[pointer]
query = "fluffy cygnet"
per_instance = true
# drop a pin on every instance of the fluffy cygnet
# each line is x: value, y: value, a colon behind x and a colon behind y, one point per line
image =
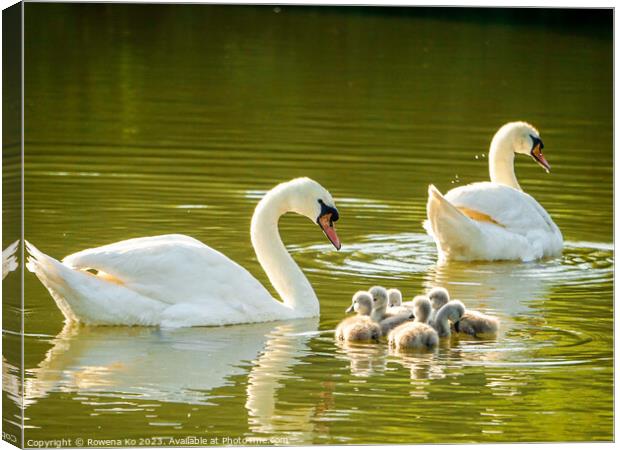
x: 417, y: 335
x: 472, y: 322
x: 395, y: 298
x: 422, y: 308
x: 395, y: 303
x: 450, y: 312
x: 438, y: 296
x: 386, y: 320
x: 360, y: 327
x: 475, y: 323
x: 361, y: 303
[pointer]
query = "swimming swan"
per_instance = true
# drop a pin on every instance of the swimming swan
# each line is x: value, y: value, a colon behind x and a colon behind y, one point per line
x: 360, y: 327
x: 176, y: 280
x: 495, y: 220
x: 417, y: 335
x: 379, y: 314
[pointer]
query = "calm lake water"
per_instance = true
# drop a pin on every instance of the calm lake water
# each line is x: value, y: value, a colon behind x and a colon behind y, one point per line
x: 148, y: 120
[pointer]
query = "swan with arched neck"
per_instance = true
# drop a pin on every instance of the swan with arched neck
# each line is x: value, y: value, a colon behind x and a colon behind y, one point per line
x: 495, y: 220
x: 176, y: 280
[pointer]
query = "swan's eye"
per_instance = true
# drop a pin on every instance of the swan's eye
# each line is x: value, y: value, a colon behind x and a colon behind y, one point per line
x: 536, y: 141
x: 325, y: 210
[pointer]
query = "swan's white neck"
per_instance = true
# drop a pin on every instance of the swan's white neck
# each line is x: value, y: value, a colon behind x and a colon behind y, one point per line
x: 284, y: 274
x: 501, y: 160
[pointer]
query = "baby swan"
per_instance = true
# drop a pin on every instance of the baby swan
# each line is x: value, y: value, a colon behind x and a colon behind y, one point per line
x: 472, y: 322
x: 395, y: 298
x: 395, y: 303
x: 417, y: 335
x: 360, y: 327
x: 387, y: 320
x: 438, y: 296
x: 450, y: 312
x: 477, y: 324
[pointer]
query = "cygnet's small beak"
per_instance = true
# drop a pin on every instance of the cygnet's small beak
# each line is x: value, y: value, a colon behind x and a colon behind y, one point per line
x: 538, y: 155
x: 350, y: 309
x: 327, y: 225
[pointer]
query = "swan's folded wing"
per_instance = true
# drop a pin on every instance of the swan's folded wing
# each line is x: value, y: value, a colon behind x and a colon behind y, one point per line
x: 173, y: 269
x: 510, y: 208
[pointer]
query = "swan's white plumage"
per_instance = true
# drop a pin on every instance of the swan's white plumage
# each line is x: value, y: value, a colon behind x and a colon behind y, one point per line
x: 170, y: 280
x: 503, y: 222
x: 175, y: 280
x: 523, y: 231
x: 9, y: 260
x: 523, y: 212
x: 172, y: 269
x: 82, y: 296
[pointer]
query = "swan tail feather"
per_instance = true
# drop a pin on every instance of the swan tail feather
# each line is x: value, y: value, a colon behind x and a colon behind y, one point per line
x: 52, y: 274
x: 452, y: 230
x: 85, y: 297
x: 39, y: 263
x: 10, y: 250
x: 9, y: 259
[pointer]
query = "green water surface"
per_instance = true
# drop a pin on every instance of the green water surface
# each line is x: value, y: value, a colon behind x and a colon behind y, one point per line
x: 145, y: 120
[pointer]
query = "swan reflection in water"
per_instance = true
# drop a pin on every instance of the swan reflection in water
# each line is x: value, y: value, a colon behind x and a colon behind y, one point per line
x: 286, y: 346
x: 176, y: 365
x: 503, y: 288
x: 513, y: 288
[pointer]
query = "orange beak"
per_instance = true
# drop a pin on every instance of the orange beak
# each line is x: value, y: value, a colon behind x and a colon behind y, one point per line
x: 538, y: 156
x: 327, y: 225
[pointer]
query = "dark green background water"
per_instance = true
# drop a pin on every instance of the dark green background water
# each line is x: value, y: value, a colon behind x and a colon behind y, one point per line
x: 144, y: 120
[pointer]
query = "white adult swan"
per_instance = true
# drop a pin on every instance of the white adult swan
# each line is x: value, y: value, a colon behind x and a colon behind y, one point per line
x: 495, y: 220
x: 176, y: 280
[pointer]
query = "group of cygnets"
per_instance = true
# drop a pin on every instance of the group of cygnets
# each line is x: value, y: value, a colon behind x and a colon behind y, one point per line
x: 417, y: 324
